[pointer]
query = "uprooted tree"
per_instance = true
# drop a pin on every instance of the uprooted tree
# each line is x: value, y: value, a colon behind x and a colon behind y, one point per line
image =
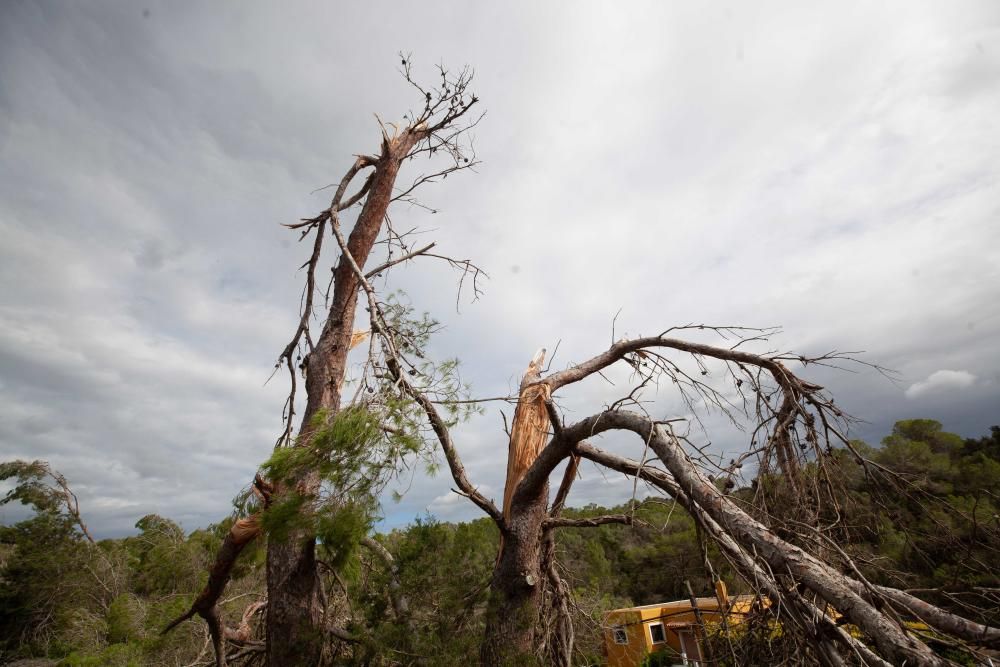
x: 318, y: 489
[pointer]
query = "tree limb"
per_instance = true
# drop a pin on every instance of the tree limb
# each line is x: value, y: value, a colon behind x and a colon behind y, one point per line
x: 836, y: 589
x: 399, y: 602
x: 569, y: 476
x: 807, y: 615
x: 591, y: 522
x: 382, y: 267
x: 438, y: 424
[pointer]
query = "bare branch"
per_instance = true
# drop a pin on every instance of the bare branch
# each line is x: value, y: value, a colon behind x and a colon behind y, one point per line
x: 569, y: 475
x: 400, y: 604
x: 590, y: 522
x: 835, y: 588
x: 942, y: 620
x: 618, y: 351
x: 437, y: 423
x: 382, y: 267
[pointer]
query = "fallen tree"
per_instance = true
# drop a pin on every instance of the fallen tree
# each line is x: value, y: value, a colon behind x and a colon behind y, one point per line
x: 345, y: 448
x: 795, y: 424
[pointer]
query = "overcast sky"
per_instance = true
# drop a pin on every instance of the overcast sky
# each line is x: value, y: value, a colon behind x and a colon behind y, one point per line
x: 830, y: 169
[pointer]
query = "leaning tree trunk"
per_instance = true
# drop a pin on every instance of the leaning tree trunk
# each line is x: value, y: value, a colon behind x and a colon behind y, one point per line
x: 839, y: 591
x: 516, y: 586
x: 295, y: 635
x: 295, y: 617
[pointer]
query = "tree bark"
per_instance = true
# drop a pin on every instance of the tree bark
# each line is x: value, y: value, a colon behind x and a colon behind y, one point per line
x: 892, y: 641
x: 800, y: 610
x: 516, y: 587
x: 295, y: 635
x: 295, y: 631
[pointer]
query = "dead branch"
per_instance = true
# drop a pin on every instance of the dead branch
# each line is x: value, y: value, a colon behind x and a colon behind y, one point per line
x: 806, y: 615
x: 589, y: 522
x: 395, y: 368
x: 834, y: 588
x: 205, y: 605
x: 399, y: 260
x: 569, y: 475
x: 400, y: 604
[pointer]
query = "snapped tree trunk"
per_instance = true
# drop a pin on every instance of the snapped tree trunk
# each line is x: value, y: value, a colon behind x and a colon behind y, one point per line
x: 294, y: 620
x: 516, y: 587
x: 295, y: 635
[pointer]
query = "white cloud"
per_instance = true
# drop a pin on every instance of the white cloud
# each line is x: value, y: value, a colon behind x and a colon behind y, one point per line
x: 451, y: 506
x: 941, y: 381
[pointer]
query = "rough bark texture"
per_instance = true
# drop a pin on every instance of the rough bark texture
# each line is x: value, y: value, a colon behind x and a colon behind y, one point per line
x: 516, y: 587
x: 295, y: 620
x: 205, y: 605
x: 515, y: 591
x: 941, y: 619
x: 295, y: 635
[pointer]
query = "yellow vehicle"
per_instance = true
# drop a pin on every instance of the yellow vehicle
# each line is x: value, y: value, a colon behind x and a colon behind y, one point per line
x: 632, y: 633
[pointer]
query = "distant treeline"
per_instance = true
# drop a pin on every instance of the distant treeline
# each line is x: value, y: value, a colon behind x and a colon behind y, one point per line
x: 64, y: 598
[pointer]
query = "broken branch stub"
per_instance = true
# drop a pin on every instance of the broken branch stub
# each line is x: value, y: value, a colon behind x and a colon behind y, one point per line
x: 530, y: 429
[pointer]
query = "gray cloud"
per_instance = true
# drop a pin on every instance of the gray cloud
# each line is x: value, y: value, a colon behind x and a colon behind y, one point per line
x: 833, y: 170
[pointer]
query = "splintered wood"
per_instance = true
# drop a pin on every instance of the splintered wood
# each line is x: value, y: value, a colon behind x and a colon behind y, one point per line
x: 357, y: 338
x: 245, y: 530
x: 530, y: 429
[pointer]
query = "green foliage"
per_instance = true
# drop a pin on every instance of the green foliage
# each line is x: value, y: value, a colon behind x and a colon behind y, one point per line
x: 933, y: 526
x: 284, y: 516
x: 932, y: 523
x: 124, y: 620
x: 444, y: 571
x: 31, y: 488
x: 44, y: 579
x: 337, y: 448
x: 340, y: 532
x: 665, y: 657
x: 646, y: 563
x: 116, y: 655
x: 927, y: 431
x: 988, y: 446
x: 164, y: 560
x: 64, y: 597
x: 342, y: 453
